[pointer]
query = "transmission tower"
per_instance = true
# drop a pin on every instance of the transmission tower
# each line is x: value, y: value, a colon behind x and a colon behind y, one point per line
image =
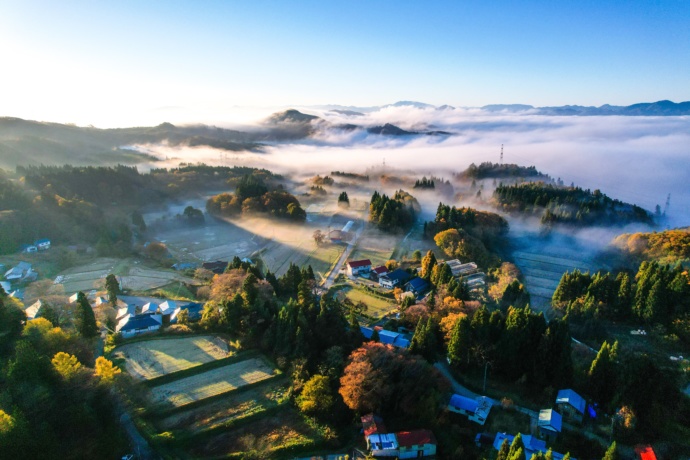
x: 668, y: 203
x: 501, y: 153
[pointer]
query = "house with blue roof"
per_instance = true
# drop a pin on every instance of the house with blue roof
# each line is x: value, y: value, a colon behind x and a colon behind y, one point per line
x: 550, y: 423
x: 571, y: 405
x: 476, y: 409
x: 132, y: 325
x: 417, y: 286
x: 194, y: 310
x: 387, y: 337
x: 395, y: 278
x: 532, y: 445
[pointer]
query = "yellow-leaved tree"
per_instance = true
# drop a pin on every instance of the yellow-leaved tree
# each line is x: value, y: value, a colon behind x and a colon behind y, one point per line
x: 68, y: 366
x: 106, y: 370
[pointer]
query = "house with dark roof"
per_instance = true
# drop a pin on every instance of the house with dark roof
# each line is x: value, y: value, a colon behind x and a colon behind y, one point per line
x: 194, y: 311
x: 475, y: 409
x: 395, y: 278
x: 217, y: 267
x: 415, y: 444
x: 571, y: 405
x: 357, y: 267
x: 550, y: 423
x: 132, y: 325
x: 417, y: 286
x: 20, y: 272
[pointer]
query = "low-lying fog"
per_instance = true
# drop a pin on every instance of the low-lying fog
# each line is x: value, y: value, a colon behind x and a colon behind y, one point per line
x: 635, y: 159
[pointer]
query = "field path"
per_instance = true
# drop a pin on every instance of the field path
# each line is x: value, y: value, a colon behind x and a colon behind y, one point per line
x: 346, y: 253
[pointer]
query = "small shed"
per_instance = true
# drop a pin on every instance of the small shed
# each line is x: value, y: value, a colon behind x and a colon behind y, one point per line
x: 550, y: 423
x: 571, y: 405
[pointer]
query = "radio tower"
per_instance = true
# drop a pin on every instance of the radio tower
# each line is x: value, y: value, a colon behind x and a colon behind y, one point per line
x: 501, y: 153
x: 668, y: 203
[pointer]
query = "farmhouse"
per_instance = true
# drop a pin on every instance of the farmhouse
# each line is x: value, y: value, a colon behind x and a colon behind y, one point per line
x: 550, y: 423
x: 476, y: 409
x: 386, y: 337
x: 459, y: 269
x: 394, y: 278
x: 417, y: 443
x: 217, y: 267
x: 356, y: 267
x: 377, y: 272
x: 193, y: 310
x: 42, y: 244
x: 19, y: 272
x: 532, y: 445
x: 417, y: 286
x: 571, y: 405
x: 132, y: 325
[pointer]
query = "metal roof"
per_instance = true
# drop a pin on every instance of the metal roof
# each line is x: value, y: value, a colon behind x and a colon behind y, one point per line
x: 570, y: 397
x: 131, y: 323
x: 359, y: 263
x: 396, y: 275
x: 464, y: 403
x: 550, y: 420
x: 416, y: 437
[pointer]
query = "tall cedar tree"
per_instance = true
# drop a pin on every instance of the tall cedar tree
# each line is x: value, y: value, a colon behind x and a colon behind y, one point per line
x: 86, y: 320
x: 113, y: 288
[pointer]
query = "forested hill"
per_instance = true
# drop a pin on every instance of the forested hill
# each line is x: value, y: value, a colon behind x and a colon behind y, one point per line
x: 489, y: 170
x: 24, y: 142
x: 567, y: 205
x: 669, y: 246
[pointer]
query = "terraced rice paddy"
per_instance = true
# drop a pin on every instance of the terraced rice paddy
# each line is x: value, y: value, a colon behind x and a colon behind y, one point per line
x: 211, y: 383
x: 154, y: 358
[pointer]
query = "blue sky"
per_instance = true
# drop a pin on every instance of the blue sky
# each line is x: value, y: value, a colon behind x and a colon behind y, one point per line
x: 78, y: 58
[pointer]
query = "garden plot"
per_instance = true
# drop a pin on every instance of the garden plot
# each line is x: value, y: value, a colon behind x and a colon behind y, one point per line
x: 236, y: 406
x: 211, y: 383
x: 376, y: 306
x: 154, y: 358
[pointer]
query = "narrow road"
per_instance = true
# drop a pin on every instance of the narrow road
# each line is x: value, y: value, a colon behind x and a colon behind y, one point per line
x: 328, y: 282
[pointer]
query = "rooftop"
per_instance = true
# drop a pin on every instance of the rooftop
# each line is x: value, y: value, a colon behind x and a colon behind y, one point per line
x: 569, y: 396
x: 416, y: 437
x: 550, y: 420
x: 359, y: 263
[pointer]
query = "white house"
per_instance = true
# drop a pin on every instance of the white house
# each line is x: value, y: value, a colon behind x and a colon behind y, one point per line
x: 42, y: 244
x: 394, y: 278
x: 356, y: 267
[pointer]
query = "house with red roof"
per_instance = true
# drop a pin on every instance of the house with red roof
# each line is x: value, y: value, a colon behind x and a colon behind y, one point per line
x: 645, y: 452
x: 373, y: 424
x: 356, y: 267
x: 415, y: 444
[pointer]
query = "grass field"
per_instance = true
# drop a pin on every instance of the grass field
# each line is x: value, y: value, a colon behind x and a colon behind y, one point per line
x: 232, y: 408
x: 377, y: 307
x: 131, y: 275
x: 211, y: 383
x: 153, y: 358
x: 264, y: 437
x: 375, y: 246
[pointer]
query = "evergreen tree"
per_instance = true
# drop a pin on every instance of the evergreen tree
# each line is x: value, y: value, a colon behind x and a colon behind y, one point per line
x: 425, y: 339
x: 460, y: 343
x: 503, y: 451
x: 343, y: 200
x: 113, y: 288
x: 611, y: 452
x: 375, y: 336
x: 232, y: 313
x: 517, y: 448
x: 603, y: 374
x: 85, y: 319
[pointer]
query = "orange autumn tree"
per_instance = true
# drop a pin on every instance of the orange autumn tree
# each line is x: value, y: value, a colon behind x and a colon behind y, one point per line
x: 381, y: 378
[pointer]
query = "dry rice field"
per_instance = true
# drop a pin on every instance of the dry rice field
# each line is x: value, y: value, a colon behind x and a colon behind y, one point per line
x: 154, y: 358
x: 211, y: 383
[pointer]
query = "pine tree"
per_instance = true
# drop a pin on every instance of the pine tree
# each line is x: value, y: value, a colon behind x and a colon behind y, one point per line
x: 86, y: 320
x: 602, y: 374
x: 428, y: 264
x: 504, y: 450
x: 611, y: 452
x: 517, y: 448
x: 375, y: 336
x: 113, y: 288
x: 460, y: 342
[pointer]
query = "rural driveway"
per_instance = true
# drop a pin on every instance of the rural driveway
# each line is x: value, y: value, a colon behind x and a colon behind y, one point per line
x: 348, y: 250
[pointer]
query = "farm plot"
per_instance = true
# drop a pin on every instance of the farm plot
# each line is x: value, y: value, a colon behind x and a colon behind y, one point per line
x: 542, y: 273
x: 266, y: 436
x: 85, y: 277
x: 154, y: 358
x: 236, y: 406
x: 375, y: 246
x: 211, y: 383
x: 377, y: 307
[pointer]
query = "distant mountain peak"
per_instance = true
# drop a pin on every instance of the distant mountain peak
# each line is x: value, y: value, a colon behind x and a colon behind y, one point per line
x: 291, y: 116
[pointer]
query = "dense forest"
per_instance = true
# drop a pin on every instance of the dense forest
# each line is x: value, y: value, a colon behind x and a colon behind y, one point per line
x: 567, y: 205
x: 656, y: 294
x: 466, y: 233
x: 253, y: 197
x: 393, y: 214
x: 92, y: 205
x: 488, y: 170
x: 353, y: 176
x: 669, y: 246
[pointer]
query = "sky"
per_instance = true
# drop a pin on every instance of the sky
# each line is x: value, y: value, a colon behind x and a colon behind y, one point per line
x: 106, y: 63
